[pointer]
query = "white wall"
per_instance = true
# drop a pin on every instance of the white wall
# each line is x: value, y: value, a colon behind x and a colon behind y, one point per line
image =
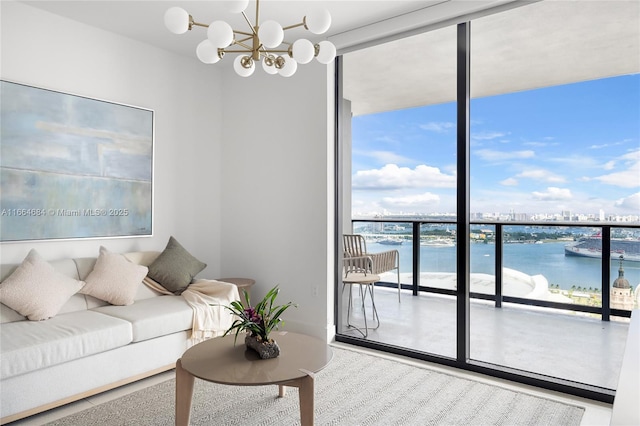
x: 243, y: 170
x: 45, y: 50
x: 277, y: 206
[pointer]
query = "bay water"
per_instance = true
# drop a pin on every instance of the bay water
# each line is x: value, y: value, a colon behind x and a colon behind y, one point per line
x: 547, y: 259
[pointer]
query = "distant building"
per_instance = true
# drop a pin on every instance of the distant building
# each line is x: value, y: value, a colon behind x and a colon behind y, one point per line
x: 621, y: 292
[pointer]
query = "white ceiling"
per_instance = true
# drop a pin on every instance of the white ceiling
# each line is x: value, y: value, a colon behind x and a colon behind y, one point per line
x: 541, y: 44
x: 353, y: 21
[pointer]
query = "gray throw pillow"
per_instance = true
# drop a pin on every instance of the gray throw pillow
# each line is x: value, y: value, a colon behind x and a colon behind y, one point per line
x: 175, y: 267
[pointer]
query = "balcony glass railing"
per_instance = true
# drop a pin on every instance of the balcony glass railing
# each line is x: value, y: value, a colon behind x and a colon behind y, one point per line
x: 556, y: 266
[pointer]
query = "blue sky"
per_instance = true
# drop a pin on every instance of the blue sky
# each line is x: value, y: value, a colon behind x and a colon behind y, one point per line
x: 571, y: 147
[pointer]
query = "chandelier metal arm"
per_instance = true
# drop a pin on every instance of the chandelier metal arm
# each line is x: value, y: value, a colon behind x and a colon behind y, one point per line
x: 249, y: 35
x: 253, y: 28
x: 294, y: 26
x: 193, y: 23
x: 247, y: 47
x: 280, y: 57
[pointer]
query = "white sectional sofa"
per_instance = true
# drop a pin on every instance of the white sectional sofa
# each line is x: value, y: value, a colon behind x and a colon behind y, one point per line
x: 90, y: 345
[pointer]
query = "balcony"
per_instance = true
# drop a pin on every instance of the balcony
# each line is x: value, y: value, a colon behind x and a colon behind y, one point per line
x: 568, y: 336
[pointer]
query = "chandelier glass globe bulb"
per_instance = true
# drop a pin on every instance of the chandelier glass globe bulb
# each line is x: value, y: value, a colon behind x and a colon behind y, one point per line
x: 207, y: 52
x: 303, y: 51
x: 318, y: 22
x: 220, y: 34
x: 236, y: 6
x: 176, y: 19
x: 327, y: 52
x: 271, y: 34
x: 268, y: 65
x: 240, y: 69
x: 289, y: 68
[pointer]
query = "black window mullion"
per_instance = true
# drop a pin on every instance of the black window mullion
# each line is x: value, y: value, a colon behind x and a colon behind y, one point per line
x: 463, y: 227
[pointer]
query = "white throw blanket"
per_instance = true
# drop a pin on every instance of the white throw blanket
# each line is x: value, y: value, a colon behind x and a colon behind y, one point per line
x: 208, y: 299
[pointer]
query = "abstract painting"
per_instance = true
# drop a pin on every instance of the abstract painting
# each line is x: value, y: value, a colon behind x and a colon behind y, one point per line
x: 73, y: 167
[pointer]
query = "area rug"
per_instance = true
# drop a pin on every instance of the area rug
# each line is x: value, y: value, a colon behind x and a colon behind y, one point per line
x: 354, y: 389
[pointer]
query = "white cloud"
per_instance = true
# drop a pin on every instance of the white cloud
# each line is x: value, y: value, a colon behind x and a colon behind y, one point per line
x: 576, y: 162
x: 418, y: 202
x: 631, y: 203
x: 608, y: 145
x: 509, y: 182
x: 393, y: 177
x: 609, y: 165
x: 628, y: 174
x: 541, y: 175
x: 632, y: 155
x: 488, y: 135
x: 387, y: 157
x: 492, y: 155
x: 553, y: 194
x: 438, y: 127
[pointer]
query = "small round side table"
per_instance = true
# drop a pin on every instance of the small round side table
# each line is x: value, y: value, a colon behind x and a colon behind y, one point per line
x: 242, y: 284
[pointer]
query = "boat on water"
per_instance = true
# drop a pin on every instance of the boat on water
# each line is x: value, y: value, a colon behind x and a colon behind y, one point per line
x: 390, y: 241
x: 591, y: 246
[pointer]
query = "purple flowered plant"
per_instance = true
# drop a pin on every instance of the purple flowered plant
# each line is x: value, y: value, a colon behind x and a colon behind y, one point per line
x: 251, y: 314
x: 259, y: 320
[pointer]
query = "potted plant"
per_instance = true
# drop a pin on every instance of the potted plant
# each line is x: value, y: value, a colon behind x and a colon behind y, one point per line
x: 258, y: 322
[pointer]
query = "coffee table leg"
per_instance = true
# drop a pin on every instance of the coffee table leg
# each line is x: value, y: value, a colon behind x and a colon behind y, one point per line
x: 305, y: 387
x: 307, y: 409
x: 184, y: 394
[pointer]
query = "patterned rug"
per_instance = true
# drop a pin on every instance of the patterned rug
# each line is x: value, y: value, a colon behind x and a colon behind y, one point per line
x: 354, y: 389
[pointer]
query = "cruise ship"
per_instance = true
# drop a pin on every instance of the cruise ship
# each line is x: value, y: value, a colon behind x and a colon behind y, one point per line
x: 592, y: 247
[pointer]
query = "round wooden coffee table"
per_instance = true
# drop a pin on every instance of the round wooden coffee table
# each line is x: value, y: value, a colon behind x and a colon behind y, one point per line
x: 218, y: 360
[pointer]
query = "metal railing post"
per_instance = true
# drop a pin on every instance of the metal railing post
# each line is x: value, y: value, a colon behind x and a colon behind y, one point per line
x: 498, y: 266
x: 416, y: 257
x: 606, y: 273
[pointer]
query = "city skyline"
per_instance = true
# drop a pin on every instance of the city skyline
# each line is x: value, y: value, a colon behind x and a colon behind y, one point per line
x: 572, y: 147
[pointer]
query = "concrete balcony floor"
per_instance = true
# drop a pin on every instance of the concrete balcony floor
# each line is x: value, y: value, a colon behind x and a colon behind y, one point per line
x: 554, y: 343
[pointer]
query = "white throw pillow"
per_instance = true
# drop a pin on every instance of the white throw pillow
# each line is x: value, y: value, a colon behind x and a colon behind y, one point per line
x: 36, y: 290
x: 114, y: 279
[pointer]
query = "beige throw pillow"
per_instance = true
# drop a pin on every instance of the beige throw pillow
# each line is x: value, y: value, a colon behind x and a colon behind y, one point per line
x: 114, y: 279
x: 36, y: 290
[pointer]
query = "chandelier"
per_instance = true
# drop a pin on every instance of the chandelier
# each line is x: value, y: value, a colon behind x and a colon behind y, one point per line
x: 263, y: 42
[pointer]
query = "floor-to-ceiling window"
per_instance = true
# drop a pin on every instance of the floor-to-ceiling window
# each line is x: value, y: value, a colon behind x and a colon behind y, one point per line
x: 554, y: 139
x: 403, y: 163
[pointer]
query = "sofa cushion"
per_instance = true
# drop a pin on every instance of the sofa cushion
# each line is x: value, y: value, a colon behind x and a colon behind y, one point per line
x: 154, y: 317
x: 175, y: 267
x: 36, y: 290
x: 27, y: 346
x: 144, y: 258
x: 114, y: 279
x: 9, y: 315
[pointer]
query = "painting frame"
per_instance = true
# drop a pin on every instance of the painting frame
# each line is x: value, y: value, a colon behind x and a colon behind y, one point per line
x: 73, y: 167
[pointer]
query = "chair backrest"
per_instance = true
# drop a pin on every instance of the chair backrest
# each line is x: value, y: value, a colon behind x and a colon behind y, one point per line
x: 357, y: 265
x: 354, y: 245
